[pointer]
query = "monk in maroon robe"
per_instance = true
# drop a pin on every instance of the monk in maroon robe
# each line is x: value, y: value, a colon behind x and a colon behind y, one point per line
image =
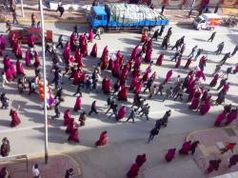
x: 133, y: 172
x: 106, y: 85
x: 66, y: 53
x: 195, y: 101
x: 90, y: 35
x: 31, y: 40
x: 121, y: 113
x: 74, y: 136
x: 15, y: 118
x: 94, y: 50
x: 213, y: 165
x: 160, y: 59
x: 189, y: 60
x: 103, y: 139
x: 135, y: 52
x: 104, y: 60
x: 18, y: 51
x: 73, y: 40
x: 220, y: 118
x: 214, y: 80
x: 231, y: 116
x: 141, y: 159
x: 67, y: 117
x: 185, y: 148
x: 122, y: 94
x: 205, y: 106
x: 77, y: 105
x: 28, y: 58
x: 148, y: 56
x: 19, y: 68
x: 71, y: 125
x: 170, y: 154
x: 37, y: 62
x: 168, y: 76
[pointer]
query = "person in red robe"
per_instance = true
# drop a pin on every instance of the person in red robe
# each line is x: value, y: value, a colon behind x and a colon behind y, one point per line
x: 77, y: 77
x: 115, y: 68
x: 67, y: 117
x: 73, y: 40
x: 185, y: 148
x: 205, y: 106
x: 214, y: 80
x: 28, y: 58
x: 31, y: 40
x: 220, y: 118
x: 90, y: 35
x: 138, y: 87
x: 170, y: 154
x: 122, y: 94
x: 144, y: 37
x: 66, y: 52
x: 71, y: 125
x: 104, y: 60
x: 168, y: 76
x: 93, y: 53
x: 2, y: 44
x: 189, y: 60
x: 78, y: 58
x: 74, y: 136
x: 121, y: 113
x: 199, y: 74
x: 135, y: 52
x: 141, y: 159
x: 226, y: 87
x: 213, y: 165
x: 195, y: 101
x: 231, y: 116
x: 18, y: 51
x: 146, y: 76
x: 148, y: 56
x: 160, y: 59
x: 77, y: 105
x: 177, y: 65
x: 106, y: 85
x: 37, y: 59
x: 84, y: 46
x: 133, y: 172
x: 103, y: 139
x: 19, y: 68
x: 15, y: 118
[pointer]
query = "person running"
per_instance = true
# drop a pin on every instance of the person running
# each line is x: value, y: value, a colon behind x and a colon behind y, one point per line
x: 153, y: 133
x: 93, y: 108
x: 192, y: 52
x: 212, y: 37
x: 132, y: 115
x: 220, y: 48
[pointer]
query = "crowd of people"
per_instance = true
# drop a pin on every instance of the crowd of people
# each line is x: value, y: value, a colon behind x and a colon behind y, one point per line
x: 128, y: 77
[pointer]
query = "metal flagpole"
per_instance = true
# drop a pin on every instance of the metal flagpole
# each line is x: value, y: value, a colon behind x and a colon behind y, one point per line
x: 45, y: 82
x: 22, y: 9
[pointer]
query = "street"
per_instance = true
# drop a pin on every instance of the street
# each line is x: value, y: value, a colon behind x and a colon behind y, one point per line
x: 126, y: 140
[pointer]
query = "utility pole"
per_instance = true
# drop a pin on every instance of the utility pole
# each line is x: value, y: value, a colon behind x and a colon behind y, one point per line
x: 45, y: 81
x: 22, y: 9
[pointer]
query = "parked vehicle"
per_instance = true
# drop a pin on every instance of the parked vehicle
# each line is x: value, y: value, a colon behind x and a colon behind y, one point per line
x: 118, y: 16
x: 207, y: 21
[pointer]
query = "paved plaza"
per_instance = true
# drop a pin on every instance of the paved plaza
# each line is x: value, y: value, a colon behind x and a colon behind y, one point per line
x: 126, y: 140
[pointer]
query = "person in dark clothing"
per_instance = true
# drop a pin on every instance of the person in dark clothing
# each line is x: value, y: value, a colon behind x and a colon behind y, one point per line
x: 222, y: 83
x: 5, y: 147
x: 160, y: 89
x: 213, y: 165
x: 156, y: 34
x: 60, y: 42
x: 148, y: 84
x: 93, y: 108
x: 82, y: 118
x: 58, y: 95
x: 220, y: 48
x: 111, y: 105
x: 179, y: 94
x: 212, y: 37
x: 233, y: 160
x: 192, y: 52
x: 153, y: 133
x: 145, y: 111
x: 116, y: 87
x: 162, y: 9
x: 8, y: 26
x: 226, y: 56
x: 194, y: 146
x: 4, y: 173
x: 176, y: 56
x: 14, y: 17
x: 4, y: 100
x: 56, y: 108
x: 199, y: 52
x: 132, y: 115
x: 165, y: 43
x: 234, y: 50
x: 164, y: 120
x: 69, y: 173
x: 60, y: 8
x: 161, y: 30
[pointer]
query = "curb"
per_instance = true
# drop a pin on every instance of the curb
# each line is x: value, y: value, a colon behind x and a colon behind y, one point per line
x: 203, y: 130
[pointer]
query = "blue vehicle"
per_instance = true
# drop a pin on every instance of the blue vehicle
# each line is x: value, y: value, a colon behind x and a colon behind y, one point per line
x: 119, y: 16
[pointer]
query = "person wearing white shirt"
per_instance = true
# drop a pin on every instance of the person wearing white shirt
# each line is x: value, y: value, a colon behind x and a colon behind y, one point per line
x: 35, y: 171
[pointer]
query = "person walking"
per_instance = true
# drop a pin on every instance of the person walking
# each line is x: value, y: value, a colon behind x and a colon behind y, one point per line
x: 199, y: 52
x: 93, y: 108
x: 36, y: 171
x: 14, y: 17
x: 193, y: 52
x: 194, y: 146
x: 5, y: 147
x: 234, y: 50
x: 132, y: 115
x: 60, y: 8
x: 220, y: 48
x: 98, y: 34
x: 226, y: 56
x: 168, y: 93
x: 153, y: 133
x: 222, y: 83
x: 60, y: 42
x: 212, y: 37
